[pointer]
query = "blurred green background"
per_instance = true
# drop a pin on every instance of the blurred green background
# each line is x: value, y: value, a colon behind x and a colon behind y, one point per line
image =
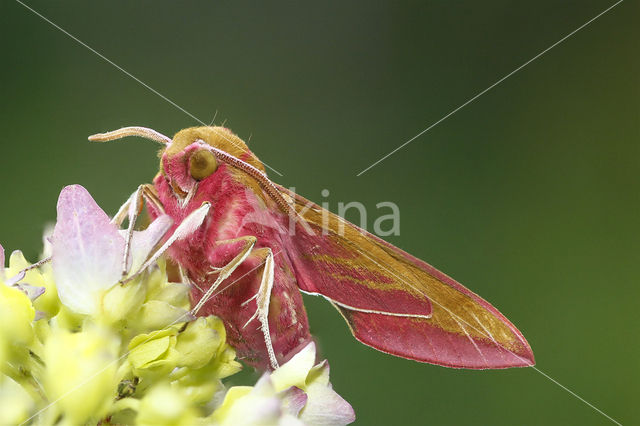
x: 529, y: 195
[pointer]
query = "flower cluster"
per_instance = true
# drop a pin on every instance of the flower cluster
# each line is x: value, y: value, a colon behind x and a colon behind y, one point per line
x: 91, y: 338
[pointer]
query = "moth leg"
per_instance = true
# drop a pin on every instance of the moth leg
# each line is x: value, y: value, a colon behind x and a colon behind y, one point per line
x: 123, y: 211
x: 246, y: 302
x: 35, y: 265
x: 248, y: 242
x: 214, y: 270
x: 132, y: 208
x: 263, y: 299
x: 150, y: 196
x: 187, y: 227
x: 184, y: 277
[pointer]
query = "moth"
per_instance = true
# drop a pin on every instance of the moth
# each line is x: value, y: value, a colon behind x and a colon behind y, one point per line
x: 249, y: 247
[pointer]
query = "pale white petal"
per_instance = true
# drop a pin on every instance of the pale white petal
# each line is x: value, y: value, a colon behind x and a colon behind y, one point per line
x: 325, y: 407
x: 295, y: 371
x: 14, y: 279
x: 32, y: 292
x: 142, y: 242
x: 290, y: 420
x: 319, y: 374
x: 260, y: 406
x: 46, y: 240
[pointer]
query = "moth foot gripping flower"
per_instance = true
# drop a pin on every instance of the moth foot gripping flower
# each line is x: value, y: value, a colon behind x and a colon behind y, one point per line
x: 100, y: 336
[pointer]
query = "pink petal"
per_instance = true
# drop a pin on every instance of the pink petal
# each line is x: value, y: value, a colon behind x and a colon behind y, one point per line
x: 87, y: 250
x: 32, y: 292
x: 294, y: 400
x: 14, y: 279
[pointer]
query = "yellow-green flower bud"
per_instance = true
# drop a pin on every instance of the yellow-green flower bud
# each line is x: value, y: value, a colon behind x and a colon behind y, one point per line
x: 80, y: 373
x: 16, y: 316
x: 176, y: 294
x: 122, y: 300
x: 154, y: 353
x: 48, y: 302
x: 3, y: 349
x: 15, y: 403
x: 164, y: 405
x: 156, y: 314
x: 199, y: 342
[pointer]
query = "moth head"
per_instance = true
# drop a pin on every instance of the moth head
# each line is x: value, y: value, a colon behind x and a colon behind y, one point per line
x: 195, y: 156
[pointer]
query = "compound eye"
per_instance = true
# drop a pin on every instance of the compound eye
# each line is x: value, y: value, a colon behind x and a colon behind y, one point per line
x: 202, y: 164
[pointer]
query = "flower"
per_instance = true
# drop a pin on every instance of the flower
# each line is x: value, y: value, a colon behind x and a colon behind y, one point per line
x: 79, y: 346
x: 297, y: 390
x: 16, y: 316
x: 36, y: 283
x: 81, y: 372
x: 165, y: 405
x: 88, y: 250
x: 15, y: 402
x: 246, y: 405
x: 197, y: 348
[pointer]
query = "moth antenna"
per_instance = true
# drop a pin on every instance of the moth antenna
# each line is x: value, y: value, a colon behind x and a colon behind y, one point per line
x: 143, y: 132
x: 262, y: 179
